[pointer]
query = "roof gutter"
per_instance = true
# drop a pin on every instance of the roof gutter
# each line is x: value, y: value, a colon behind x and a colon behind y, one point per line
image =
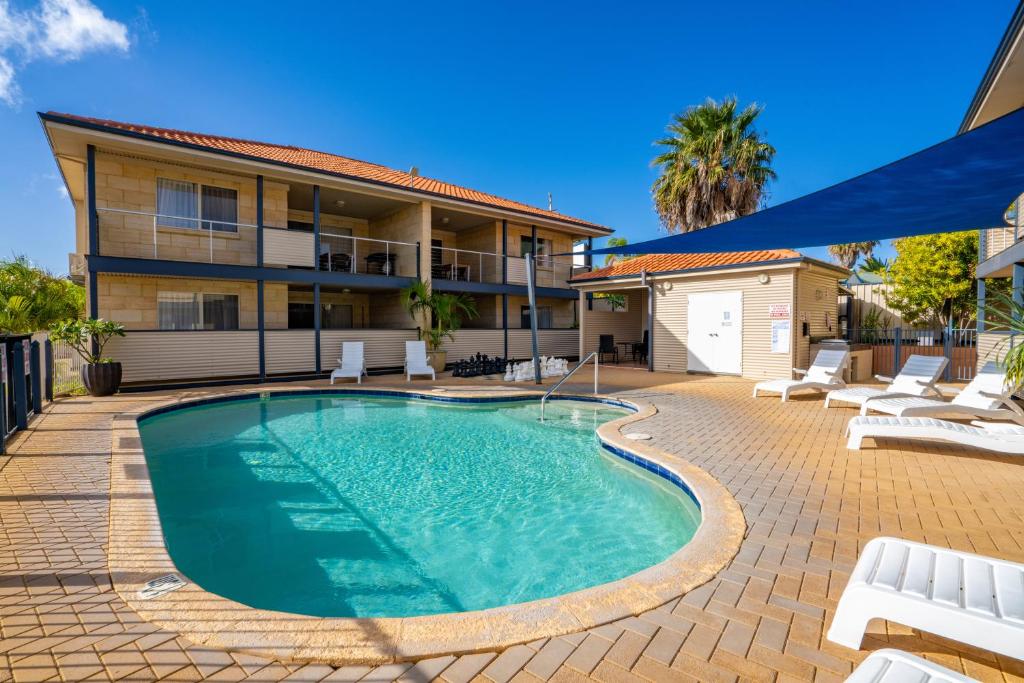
x: 109, y: 130
x: 1010, y: 39
x: 693, y: 271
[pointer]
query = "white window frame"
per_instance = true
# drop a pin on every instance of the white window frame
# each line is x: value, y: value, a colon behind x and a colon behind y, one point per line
x: 198, y: 298
x: 198, y: 196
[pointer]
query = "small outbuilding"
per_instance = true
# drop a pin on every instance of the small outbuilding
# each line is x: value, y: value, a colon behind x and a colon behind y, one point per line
x: 753, y: 313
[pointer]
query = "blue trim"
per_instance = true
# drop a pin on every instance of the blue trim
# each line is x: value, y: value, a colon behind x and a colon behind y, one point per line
x: 638, y: 460
x: 259, y: 221
x: 37, y: 377
x: 88, y: 125
x: 217, y: 271
x: 90, y: 190
x: 261, y: 328
x: 316, y: 227
x: 316, y: 326
x: 94, y: 295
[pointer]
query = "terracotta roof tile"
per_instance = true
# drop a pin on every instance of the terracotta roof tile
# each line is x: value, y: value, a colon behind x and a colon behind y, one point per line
x: 330, y: 163
x: 662, y: 263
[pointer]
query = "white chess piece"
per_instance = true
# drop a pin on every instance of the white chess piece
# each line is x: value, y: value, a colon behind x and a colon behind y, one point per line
x: 509, y: 375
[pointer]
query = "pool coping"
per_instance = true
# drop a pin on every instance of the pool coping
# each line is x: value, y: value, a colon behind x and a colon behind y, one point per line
x: 137, y: 554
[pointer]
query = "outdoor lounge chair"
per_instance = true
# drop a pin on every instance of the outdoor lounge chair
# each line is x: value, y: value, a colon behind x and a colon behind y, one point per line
x: 917, y: 378
x: 986, y: 396
x: 825, y: 374
x: 351, y: 364
x: 999, y: 437
x: 969, y: 598
x: 416, y: 362
x: 893, y: 666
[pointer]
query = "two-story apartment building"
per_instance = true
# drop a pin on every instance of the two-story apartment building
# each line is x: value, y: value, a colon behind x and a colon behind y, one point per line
x: 1001, y: 249
x: 228, y: 258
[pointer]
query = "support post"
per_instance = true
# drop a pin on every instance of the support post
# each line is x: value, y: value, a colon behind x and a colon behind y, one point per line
x: 259, y: 221
x: 531, y: 277
x: 650, y: 326
x: 1018, y: 286
x: 896, y: 350
x: 316, y: 227
x: 980, y: 315
x: 504, y: 322
x: 34, y: 368
x: 588, y: 261
x: 504, y: 281
x: 17, y: 372
x: 948, y: 348
x: 48, y: 358
x: 316, y: 325
x: 3, y: 398
x: 94, y: 235
x: 260, y: 326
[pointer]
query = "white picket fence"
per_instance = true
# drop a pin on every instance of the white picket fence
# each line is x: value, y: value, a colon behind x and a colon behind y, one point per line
x: 67, y: 370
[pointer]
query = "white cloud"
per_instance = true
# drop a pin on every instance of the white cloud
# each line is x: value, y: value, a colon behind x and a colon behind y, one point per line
x: 61, y: 30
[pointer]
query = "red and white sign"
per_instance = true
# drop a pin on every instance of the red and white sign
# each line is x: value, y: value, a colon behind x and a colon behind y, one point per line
x: 779, y: 311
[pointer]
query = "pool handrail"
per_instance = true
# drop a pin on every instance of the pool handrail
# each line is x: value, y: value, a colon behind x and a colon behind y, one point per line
x: 544, y: 398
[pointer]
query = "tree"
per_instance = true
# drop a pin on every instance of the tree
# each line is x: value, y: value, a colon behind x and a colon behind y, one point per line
x: 714, y: 167
x: 928, y: 270
x: 875, y: 266
x: 847, y: 254
x: 612, y: 259
x: 31, y: 299
x: 444, y: 311
x: 82, y: 334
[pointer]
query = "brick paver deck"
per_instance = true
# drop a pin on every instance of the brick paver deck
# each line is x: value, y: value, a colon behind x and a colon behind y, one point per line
x: 810, y: 505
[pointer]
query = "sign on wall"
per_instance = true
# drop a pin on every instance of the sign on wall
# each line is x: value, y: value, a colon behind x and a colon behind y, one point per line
x: 3, y: 366
x: 780, y: 316
x: 26, y: 344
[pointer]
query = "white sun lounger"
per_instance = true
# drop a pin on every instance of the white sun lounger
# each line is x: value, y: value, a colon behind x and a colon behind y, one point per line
x: 917, y: 378
x: 893, y: 666
x: 416, y: 362
x: 825, y: 374
x: 969, y: 598
x: 987, y: 396
x: 351, y: 364
x: 999, y: 437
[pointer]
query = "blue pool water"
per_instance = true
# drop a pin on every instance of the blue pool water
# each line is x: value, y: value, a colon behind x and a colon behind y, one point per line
x: 384, y: 507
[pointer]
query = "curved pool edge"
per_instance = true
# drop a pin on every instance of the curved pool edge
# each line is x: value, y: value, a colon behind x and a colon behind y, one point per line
x: 137, y: 554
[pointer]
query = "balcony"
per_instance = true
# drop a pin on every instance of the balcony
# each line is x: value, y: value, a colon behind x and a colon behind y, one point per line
x: 139, y: 234
x: 464, y: 265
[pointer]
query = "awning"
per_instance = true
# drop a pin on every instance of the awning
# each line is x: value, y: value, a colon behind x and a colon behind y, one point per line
x: 964, y: 183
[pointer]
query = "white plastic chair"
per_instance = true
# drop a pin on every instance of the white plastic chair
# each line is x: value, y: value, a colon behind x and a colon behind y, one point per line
x: 969, y: 598
x: 416, y: 362
x: 917, y: 377
x: 825, y: 374
x: 1004, y: 438
x: 986, y: 396
x: 893, y: 666
x: 351, y: 364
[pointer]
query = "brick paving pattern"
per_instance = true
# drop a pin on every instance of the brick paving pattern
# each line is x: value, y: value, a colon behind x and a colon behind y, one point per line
x: 810, y: 505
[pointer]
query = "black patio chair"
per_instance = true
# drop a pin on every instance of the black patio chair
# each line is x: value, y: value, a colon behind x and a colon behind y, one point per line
x: 606, y: 344
x: 640, y: 349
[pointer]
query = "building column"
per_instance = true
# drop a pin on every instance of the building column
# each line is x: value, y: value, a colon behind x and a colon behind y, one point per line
x: 94, y: 236
x: 260, y: 318
x: 316, y: 285
x: 980, y: 315
x: 584, y: 297
x: 504, y: 281
x: 1018, y: 286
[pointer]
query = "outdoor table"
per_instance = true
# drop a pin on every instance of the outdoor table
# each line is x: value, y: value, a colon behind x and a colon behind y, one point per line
x: 627, y: 347
x: 382, y: 263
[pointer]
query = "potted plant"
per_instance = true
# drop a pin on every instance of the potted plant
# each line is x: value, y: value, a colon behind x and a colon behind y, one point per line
x: 101, y: 376
x: 444, y: 312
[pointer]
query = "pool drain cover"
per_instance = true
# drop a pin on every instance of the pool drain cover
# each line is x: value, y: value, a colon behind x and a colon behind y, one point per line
x: 639, y: 436
x: 158, y: 587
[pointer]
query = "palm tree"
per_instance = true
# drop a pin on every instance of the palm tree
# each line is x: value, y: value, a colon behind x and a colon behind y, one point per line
x: 875, y: 266
x: 612, y: 259
x: 847, y: 254
x: 714, y: 166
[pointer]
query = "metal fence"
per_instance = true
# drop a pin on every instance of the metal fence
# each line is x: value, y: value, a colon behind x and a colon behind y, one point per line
x: 890, y: 349
x: 67, y: 370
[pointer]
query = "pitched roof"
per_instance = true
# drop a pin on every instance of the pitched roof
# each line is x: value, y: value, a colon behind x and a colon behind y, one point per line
x: 664, y: 263
x: 317, y: 161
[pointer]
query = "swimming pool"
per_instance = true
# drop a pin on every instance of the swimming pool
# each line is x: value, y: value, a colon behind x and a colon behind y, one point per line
x: 364, y: 506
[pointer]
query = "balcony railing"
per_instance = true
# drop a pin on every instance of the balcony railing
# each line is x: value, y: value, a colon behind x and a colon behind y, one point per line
x: 367, y: 256
x: 141, y: 234
x: 481, y: 266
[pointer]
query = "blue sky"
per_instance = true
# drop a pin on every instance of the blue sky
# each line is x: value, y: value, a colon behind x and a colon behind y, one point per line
x: 518, y: 99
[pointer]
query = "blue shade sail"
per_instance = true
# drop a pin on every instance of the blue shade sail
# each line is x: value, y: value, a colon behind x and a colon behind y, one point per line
x: 964, y: 183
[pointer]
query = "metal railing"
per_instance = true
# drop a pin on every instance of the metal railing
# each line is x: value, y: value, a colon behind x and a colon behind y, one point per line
x: 547, y: 394
x: 892, y: 346
x: 67, y: 370
x: 175, y: 238
x: 366, y: 255
x: 466, y: 265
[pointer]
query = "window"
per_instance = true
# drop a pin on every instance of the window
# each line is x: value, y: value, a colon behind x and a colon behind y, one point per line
x: 543, y: 317
x: 543, y: 249
x: 181, y: 204
x: 300, y: 315
x: 190, y: 311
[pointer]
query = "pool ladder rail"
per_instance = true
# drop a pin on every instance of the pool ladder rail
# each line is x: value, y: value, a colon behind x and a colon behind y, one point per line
x: 547, y: 394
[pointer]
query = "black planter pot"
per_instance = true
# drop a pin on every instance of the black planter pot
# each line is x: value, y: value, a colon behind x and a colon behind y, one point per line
x: 101, y: 379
